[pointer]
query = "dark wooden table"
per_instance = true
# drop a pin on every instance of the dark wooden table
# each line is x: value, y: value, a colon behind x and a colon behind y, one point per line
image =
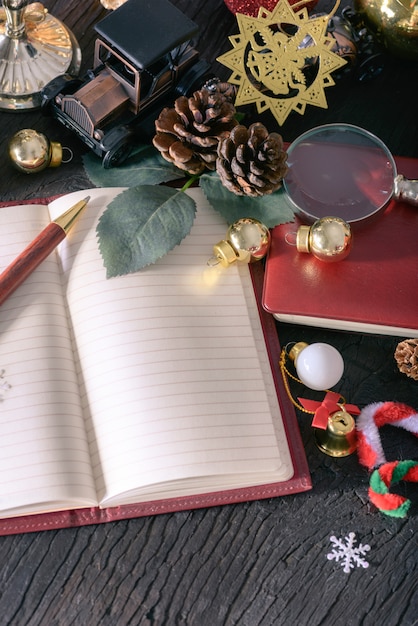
x: 260, y: 563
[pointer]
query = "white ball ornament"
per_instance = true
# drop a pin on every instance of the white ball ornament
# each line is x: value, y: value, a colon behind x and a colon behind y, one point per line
x: 318, y: 365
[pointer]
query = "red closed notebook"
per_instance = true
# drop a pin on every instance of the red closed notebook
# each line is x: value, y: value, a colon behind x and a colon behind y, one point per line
x: 372, y: 290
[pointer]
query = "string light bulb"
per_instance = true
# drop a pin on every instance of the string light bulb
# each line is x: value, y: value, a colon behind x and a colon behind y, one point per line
x: 319, y: 365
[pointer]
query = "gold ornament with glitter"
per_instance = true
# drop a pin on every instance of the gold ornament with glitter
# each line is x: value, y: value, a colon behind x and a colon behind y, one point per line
x: 282, y: 60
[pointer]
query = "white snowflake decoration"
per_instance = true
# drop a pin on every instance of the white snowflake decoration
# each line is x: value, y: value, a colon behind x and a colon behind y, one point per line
x: 4, y: 385
x: 347, y: 553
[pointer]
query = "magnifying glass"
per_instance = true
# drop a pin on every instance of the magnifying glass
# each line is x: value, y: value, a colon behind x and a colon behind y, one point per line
x: 344, y: 171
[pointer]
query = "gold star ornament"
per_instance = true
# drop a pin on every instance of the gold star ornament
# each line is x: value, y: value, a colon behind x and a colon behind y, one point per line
x: 282, y: 60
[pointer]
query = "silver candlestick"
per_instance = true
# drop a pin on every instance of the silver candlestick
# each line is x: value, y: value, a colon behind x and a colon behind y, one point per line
x: 35, y: 47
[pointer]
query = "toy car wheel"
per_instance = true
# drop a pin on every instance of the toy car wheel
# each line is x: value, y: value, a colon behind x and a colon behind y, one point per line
x: 117, y: 154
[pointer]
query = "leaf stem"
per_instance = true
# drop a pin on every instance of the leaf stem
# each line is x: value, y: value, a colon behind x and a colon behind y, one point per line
x: 190, y: 182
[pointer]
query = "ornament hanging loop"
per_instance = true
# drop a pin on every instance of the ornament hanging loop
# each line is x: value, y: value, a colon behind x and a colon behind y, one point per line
x: 291, y: 238
x: 213, y: 261
x: 69, y: 152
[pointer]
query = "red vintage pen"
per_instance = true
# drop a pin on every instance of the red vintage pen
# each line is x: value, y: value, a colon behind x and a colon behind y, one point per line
x: 39, y: 249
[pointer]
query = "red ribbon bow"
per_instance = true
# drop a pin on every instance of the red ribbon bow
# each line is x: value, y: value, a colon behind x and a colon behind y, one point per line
x: 325, y: 408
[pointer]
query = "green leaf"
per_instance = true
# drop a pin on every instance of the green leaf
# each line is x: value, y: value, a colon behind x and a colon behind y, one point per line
x: 145, y: 166
x: 141, y: 225
x: 270, y: 209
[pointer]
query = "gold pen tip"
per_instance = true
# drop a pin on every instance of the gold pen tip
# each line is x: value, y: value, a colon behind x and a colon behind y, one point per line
x: 67, y: 219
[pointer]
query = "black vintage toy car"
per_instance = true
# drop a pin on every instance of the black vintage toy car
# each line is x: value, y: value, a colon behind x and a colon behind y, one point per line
x: 143, y: 60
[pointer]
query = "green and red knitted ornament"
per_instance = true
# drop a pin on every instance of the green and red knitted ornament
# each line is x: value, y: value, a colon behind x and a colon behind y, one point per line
x: 371, y: 454
x: 383, y: 478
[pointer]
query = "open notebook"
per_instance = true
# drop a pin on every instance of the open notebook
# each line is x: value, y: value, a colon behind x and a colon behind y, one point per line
x: 140, y: 394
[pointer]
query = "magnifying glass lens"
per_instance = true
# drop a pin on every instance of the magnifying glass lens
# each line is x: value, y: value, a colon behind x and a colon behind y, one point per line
x: 339, y: 170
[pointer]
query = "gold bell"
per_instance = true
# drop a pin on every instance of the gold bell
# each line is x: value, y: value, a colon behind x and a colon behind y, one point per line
x: 328, y: 239
x: 339, y: 438
x: 246, y: 240
x: 32, y: 152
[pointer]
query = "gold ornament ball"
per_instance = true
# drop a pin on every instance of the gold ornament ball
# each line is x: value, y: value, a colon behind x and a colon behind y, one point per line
x: 394, y: 23
x: 328, y: 239
x: 246, y: 240
x: 31, y: 151
x: 250, y: 239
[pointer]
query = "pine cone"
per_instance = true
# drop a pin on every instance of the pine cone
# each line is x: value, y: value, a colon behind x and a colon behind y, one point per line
x: 229, y: 91
x: 188, y: 135
x: 406, y: 356
x: 251, y: 161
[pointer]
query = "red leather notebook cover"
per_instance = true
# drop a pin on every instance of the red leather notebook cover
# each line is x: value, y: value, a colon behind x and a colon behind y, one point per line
x: 375, y: 287
x: 301, y: 480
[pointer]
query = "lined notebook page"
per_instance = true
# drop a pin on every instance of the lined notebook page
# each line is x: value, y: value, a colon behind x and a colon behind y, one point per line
x: 44, y: 456
x: 178, y: 394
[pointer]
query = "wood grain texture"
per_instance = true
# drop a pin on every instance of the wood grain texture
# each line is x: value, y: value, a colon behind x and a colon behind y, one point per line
x: 255, y: 564
x: 29, y: 259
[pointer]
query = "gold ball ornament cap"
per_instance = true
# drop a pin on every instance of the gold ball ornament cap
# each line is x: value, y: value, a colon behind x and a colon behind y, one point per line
x: 302, y: 239
x: 32, y: 152
x: 296, y: 349
x: 328, y: 239
x: 56, y: 154
x: 339, y: 439
x: 224, y: 253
